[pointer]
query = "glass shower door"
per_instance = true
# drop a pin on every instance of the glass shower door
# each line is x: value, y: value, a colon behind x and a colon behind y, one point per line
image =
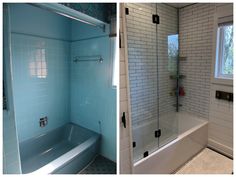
x: 142, y: 62
x: 168, y: 89
x: 152, y: 62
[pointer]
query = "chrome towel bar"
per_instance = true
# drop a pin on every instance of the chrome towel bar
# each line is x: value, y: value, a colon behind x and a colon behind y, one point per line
x: 96, y: 58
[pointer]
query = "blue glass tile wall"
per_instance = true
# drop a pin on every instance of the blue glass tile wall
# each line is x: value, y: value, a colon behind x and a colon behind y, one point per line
x: 40, y: 83
x: 43, y: 73
x: 91, y: 84
x: 40, y: 62
x: 28, y: 19
x: 11, y: 158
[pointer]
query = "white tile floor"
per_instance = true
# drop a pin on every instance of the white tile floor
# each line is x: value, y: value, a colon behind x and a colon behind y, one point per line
x: 208, y: 162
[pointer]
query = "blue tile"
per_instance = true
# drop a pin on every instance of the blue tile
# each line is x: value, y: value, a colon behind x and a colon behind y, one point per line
x: 93, y: 98
x: 38, y: 80
x: 47, y: 83
x: 12, y: 168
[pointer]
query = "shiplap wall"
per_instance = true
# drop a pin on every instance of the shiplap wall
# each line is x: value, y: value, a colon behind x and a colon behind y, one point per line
x: 125, y: 138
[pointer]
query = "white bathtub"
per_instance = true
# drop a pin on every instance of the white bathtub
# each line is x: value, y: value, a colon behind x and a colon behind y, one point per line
x: 192, y: 138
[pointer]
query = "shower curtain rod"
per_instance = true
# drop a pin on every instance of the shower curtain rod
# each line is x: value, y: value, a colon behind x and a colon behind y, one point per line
x: 71, y: 13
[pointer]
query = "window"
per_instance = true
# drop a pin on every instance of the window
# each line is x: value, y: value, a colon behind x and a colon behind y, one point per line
x: 224, y: 51
x: 38, y: 65
x: 115, y: 74
x: 114, y: 42
x: 173, y: 52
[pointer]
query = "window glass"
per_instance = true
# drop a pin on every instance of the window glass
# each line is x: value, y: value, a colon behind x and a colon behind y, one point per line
x: 224, y: 52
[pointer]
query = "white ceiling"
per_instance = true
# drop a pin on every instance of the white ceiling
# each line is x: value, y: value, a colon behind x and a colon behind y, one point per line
x: 179, y: 5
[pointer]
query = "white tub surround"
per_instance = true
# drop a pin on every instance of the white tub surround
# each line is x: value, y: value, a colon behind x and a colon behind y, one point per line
x: 192, y: 139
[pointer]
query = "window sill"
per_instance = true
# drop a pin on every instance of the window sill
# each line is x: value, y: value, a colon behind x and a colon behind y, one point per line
x: 222, y: 81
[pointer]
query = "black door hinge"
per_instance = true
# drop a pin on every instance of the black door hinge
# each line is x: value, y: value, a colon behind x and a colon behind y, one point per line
x: 134, y: 144
x: 156, y: 19
x: 123, y: 119
x: 127, y: 11
x: 158, y: 133
x: 119, y: 41
x: 145, y: 154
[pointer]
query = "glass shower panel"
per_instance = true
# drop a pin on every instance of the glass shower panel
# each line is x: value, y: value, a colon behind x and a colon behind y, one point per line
x: 153, y: 75
x: 142, y: 63
x: 167, y: 52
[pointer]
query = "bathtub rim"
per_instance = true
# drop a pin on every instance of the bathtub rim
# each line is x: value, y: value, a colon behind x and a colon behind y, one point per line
x: 202, y: 122
x: 65, y: 158
x: 56, y: 128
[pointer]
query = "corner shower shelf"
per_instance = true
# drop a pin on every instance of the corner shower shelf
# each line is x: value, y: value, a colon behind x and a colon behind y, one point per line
x: 178, y: 105
x: 174, y: 94
x: 177, y: 77
x: 182, y: 58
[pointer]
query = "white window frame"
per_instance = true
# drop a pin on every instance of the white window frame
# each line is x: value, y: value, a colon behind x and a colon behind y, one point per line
x: 219, y: 54
x: 114, y: 55
x: 115, y: 62
x: 221, y: 13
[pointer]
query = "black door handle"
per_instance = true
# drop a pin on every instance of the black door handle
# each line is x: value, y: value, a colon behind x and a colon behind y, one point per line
x: 123, y: 119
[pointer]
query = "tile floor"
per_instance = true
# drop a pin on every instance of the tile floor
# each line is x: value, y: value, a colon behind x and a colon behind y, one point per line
x: 208, y: 162
x: 100, y: 165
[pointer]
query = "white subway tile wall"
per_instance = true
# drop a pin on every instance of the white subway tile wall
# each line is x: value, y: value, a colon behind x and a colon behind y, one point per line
x: 147, y: 44
x: 167, y: 111
x: 196, y: 23
x: 143, y: 55
x: 142, y: 58
x: 195, y: 34
x: 220, y: 133
x: 196, y: 43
